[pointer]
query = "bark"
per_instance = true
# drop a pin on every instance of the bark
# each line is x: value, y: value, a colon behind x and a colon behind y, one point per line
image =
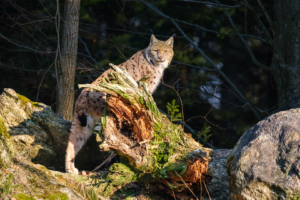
x: 286, y: 57
x: 148, y: 142
x: 66, y: 71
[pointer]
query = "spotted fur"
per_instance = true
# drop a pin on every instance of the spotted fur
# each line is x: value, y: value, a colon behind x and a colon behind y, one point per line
x: 90, y: 105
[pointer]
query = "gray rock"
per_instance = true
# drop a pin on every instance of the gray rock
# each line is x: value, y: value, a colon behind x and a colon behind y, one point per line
x: 71, y: 194
x: 41, y: 135
x: 265, y: 162
x: 219, y: 186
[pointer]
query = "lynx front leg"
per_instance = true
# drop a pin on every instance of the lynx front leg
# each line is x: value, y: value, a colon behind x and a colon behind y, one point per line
x: 80, y: 132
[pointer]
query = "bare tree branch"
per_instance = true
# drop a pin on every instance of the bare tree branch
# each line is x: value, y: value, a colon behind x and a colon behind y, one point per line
x: 203, y: 2
x: 25, y: 47
x: 244, y: 41
x: 90, y: 56
x: 203, y: 68
x: 195, y: 25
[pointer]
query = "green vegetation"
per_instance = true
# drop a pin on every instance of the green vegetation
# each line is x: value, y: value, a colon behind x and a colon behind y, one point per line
x: 23, y: 196
x: 204, y: 133
x: 173, y: 111
x: 58, y: 196
x: 6, y: 186
x: 119, y: 175
x: 3, y: 130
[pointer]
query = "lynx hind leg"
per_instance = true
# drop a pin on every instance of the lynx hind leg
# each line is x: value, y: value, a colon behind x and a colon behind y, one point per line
x: 89, y: 109
x: 77, y: 138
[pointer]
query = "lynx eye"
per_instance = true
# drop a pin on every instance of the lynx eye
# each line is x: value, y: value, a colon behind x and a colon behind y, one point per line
x: 166, y: 51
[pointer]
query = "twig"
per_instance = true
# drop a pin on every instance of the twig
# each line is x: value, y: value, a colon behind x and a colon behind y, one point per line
x: 267, y: 15
x: 173, y: 194
x: 37, y: 95
x: 203, y: 68
x: 200, y: 187
x: 112, y: 155
x: 186, y: 185
x: 206, y: 190
x: 90, y: 56
x: 25, y: 47
x: 203, y: 2
x: 57, y: 26
x: 213, y: 103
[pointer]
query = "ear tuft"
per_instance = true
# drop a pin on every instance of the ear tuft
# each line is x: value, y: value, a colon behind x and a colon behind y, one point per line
x: 153, y: 40
x: 170, y: 42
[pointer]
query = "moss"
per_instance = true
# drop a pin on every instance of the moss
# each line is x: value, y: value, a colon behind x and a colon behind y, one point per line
x: 24, y: 100
x: 5, y: 145
x: 228, y: 164
x: 23, y: 196
x: 3, y: 130
x: 57, y: 196
x: 119, y: 175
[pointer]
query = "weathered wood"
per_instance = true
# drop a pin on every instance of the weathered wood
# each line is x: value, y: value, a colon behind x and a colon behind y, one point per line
x: 149, y: 143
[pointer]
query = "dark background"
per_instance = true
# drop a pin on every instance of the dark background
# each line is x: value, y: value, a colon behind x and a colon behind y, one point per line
x: 112, y: 31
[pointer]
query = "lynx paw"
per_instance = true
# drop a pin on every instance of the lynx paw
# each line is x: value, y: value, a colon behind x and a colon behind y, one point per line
x: 74, y: 171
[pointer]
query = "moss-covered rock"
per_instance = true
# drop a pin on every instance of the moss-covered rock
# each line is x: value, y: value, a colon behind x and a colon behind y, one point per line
x: 41, y: 135
x: 7, y: 151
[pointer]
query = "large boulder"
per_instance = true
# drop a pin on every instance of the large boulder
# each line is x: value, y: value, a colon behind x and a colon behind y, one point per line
x: 41, y: 135
x: 265, y: 162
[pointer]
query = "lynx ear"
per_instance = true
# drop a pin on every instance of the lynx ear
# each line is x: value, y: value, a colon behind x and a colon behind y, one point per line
x: 170, y: 42
x: 153, y: 40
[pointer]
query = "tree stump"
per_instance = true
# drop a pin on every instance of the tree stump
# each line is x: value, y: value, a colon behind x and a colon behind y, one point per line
x: 156, y: 149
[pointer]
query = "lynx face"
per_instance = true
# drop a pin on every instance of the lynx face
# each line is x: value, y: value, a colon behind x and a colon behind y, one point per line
x: 161, y: 52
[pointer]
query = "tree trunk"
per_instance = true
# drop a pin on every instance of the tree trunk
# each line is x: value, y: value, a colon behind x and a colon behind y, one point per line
x: 66, y: 70
x: 286, y: 57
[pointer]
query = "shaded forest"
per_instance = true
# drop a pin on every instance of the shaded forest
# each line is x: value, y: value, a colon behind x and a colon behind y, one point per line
x: 233, y: 39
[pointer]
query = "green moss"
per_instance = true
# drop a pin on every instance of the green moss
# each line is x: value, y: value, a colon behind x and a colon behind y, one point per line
x: 23, y: 196
x: 3, y: 130
x: 228, y: 164
x: 57, y: 196
x: 119, y: 175
x: 24, y: 100
x: 5, y: 143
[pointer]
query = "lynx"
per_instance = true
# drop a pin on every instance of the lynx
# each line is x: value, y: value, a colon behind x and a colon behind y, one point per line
x: 90, y: 105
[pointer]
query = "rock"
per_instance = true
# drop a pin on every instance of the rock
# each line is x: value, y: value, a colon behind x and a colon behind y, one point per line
x: 218, y: 187
x: 265, y: 162
x: 41, y: 135
x: 7, y: 150
x: 25, y: 180
x: 71, y: 193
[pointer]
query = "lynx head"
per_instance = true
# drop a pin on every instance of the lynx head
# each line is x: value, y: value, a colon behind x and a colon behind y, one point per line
x: 160, y: 53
